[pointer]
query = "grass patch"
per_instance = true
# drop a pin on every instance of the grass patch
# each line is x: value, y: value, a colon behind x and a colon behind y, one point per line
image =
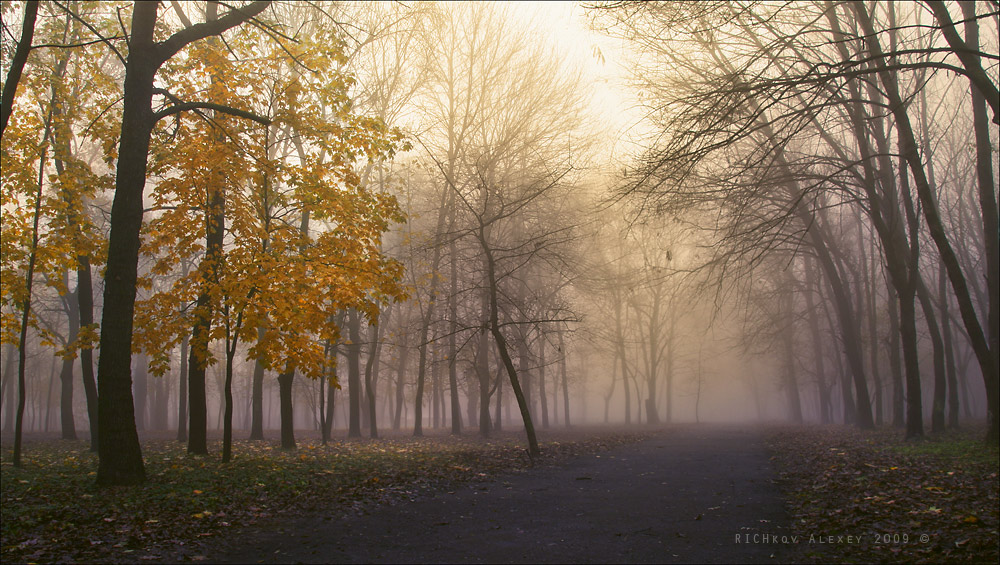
x: 956, y: 447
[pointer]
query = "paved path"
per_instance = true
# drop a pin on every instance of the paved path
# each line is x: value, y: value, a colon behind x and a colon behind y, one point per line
x: 682, y: 496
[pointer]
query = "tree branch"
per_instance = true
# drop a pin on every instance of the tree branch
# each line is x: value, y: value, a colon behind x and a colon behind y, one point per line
x: 17, y: 63
x: 235, y: 17
x: 186, y: 106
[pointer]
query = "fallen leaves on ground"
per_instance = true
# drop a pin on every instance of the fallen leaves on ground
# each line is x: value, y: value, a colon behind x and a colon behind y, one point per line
x: 52, y: 511
x: 924, y: 501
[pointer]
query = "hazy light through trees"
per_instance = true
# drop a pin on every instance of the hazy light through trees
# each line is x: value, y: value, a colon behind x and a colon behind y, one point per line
x: 469, y: 217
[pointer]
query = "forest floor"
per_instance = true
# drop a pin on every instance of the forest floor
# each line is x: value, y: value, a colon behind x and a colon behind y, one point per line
x: 683, y: 493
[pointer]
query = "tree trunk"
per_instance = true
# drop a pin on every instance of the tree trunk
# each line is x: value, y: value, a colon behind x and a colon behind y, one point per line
x: 456, y: 409
x: 501, y: 343
x: 371, y: 367
x: 404, y: 354
x: 565, y: 382
x: 895, y: 362
x: 17, y: 62
x: 987, y: 183
x: 949, y: 353
x: 287, y: 415
x: 354, y: 373
x: 141, y: 390
x: 542, y: 396
x: 119, y: 451
x: 908, y: 148
x: 182, y: 396
x: 257, y: 397
x: 790, y: 383
x: 66, y: 374
x: 825, y: 407
x: 940, y: 379
x: 227, y: 419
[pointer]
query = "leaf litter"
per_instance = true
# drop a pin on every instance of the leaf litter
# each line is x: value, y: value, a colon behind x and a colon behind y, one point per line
x: 926, y: 501
x: 52, y: 511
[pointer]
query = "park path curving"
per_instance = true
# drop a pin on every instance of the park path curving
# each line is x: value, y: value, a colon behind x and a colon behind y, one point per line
x: 695, y: 494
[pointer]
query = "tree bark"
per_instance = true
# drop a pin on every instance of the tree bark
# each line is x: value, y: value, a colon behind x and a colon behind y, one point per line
x: 182, y: 396
x: 287, y: 414
x: 908, y: 148
x: 17, y: 63
x: 354, y: 373
x: 257, y: 397
x: 119, y: 451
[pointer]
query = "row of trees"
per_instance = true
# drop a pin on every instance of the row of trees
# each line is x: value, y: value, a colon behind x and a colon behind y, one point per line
x: 826, y: 146
x: 245, y: 184
x: 254, y: 179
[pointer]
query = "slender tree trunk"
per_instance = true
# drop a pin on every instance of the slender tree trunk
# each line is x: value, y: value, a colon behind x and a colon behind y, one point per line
x: 85, y: 300
x: 17, y: 62
x: 825, y: 408
x: 949, y: 353
x: 354, y: 373
x: 790, y: 383
x: 987, y: 183
x: 565, y: 382
x: 908, y: 148
x: 227, y: 420
x: 404, y: 354
x: 287, y: 415
x: 372, y: 367
x: 940, y: 379
x: 66, y: 374
x: 542, y: 397
x: 141, y: 390
x: 456, y: 409
x: 895, y: 362
x: 501, y: 343
x: 182, y: 396
x: 257, y: 398
x: 29, y: 279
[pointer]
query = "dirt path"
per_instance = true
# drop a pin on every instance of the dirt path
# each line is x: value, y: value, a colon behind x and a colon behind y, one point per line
x: 693, y: 495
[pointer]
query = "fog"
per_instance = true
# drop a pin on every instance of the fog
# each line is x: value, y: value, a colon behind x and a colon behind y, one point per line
x: 420, y: 217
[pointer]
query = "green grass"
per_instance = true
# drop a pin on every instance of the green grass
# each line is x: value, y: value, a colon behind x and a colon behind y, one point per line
x: 958, y: 449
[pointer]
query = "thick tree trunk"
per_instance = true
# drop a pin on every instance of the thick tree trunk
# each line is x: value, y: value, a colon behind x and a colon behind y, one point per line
x: 119, y: 451
x: 118, y: 446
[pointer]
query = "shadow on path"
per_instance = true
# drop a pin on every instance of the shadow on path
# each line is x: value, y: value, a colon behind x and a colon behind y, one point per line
x: 695, y: 494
